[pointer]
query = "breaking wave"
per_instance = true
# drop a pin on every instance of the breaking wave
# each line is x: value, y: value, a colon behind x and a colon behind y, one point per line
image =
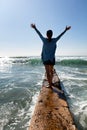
x: 69, y: 61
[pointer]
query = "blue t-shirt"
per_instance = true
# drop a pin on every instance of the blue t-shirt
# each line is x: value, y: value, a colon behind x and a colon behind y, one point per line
x: 49, y: 47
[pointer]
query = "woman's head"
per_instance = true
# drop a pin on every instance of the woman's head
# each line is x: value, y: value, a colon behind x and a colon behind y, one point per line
x: 49, y: 34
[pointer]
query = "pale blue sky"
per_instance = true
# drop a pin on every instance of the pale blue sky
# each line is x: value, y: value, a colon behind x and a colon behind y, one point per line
x: 17, y: 38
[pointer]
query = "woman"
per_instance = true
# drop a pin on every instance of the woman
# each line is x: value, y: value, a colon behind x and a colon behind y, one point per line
x: 48, y: 51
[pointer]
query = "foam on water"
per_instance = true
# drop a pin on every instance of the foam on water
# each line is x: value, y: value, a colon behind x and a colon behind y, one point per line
x: 21, y: 79
x: 16, y: 115
x: 32, y: 106
x: 74, y: 82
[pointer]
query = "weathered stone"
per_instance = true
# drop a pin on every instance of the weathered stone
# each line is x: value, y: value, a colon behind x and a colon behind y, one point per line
x: 51, y: 112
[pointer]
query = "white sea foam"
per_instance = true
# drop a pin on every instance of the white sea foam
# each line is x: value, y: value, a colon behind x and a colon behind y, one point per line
x: 4, y: 113
x: 34, y: 100
x: 71, y: 76
x: 19, y: 81
x: 71, y: 57
x: 82, y: 119
x: 32, y: 106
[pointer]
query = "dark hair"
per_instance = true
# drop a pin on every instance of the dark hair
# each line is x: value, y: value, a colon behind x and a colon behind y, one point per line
x: 49, y: 33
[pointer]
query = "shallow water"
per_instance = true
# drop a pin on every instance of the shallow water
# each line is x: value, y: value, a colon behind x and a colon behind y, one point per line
x: 20, y: 82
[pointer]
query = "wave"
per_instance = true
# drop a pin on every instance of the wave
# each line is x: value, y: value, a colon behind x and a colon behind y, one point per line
x: 37, y: 61
x: 34, y: 61
x: 63, y: 62
x: 73, y: 62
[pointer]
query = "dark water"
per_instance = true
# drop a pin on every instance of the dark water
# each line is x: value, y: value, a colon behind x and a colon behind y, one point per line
x: 20, y: 82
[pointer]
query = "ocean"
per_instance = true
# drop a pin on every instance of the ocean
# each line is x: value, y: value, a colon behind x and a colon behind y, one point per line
x: 21, y: 80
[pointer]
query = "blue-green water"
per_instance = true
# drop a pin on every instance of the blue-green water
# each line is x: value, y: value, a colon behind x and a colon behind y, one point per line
x: 20, y: 82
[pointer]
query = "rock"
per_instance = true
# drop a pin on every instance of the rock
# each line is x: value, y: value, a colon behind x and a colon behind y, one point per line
x: 51, y: 112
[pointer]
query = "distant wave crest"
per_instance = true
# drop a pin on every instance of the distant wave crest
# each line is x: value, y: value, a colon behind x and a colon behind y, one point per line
x: 37, y: 61
x: 34, y: 61
x: 64, y: 62
x: 72, y: 62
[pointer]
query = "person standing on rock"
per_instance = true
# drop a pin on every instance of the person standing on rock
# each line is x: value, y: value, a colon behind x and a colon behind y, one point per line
x: 48, y: 50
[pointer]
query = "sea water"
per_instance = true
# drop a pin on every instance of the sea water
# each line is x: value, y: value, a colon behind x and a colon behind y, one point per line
x: 21, y: 80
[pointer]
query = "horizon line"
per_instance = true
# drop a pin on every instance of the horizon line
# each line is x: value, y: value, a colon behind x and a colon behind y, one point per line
x: 40, y: 56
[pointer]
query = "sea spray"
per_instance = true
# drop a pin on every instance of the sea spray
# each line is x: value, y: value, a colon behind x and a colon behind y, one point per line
x: 21, y: 80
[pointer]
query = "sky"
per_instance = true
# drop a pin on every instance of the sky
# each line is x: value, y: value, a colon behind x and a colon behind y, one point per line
x: 17, y: 38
